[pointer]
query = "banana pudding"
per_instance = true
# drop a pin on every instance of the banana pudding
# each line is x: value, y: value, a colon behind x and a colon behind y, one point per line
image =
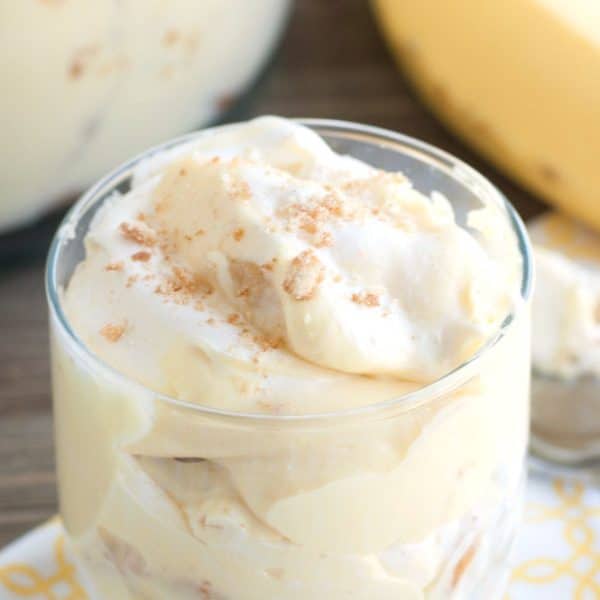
x: 282, y: 373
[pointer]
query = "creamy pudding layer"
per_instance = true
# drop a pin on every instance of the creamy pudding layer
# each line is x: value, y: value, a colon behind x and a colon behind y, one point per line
x: 256, y: 270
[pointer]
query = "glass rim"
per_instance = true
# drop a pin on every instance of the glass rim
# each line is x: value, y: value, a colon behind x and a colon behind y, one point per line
x: 450, y: 381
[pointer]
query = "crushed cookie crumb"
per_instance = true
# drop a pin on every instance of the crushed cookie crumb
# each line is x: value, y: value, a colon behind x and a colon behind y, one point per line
x: 131, y: 280
x: 333, y: 205
x: 324, y: 240
x: 269, y: 266
x: 170, y: 37
x: 138, y: 233
x: 114, y: 266
x: 309, y: 227
x: 80, y: 61
x: 267, y: 343
x: 233, y: 318
x: 239, y: 190
x: 181, y: 285
x: 141, y: 256
x: 196, y: 233
x: 112, y: 332
x: 161, y: 205
x: 76, y: 69
x: 247, y: 277
x: 264, y: 342
x: 184, y: 280
x: 182, y: 172
x: 463, y: 564
x: 276, y: 342
x: 238, y: 234
x: 311, y: 215
x: 304, y: 275
x: 210, y: 321
x: 366, y: 298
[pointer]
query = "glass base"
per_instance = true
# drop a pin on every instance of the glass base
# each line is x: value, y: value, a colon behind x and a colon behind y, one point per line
x: 549, y: 462
x: 565, y: 432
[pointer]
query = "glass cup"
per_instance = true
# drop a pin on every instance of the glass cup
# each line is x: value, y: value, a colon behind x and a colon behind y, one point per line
x: 415, y: 497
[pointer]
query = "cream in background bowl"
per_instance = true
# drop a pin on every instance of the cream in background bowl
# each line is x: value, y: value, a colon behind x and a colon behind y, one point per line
x: 87, y: 84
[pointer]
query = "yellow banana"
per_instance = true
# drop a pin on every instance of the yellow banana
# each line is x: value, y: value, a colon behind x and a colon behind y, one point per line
x: 518, y: 79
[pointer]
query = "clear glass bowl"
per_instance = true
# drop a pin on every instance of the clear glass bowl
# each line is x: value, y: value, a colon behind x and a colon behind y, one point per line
x: 417, y: 496
x: 88, y: 86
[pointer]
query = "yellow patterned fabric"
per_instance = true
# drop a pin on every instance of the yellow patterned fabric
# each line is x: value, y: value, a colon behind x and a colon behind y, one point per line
x: 558, y: 551
x: 37, y: 567
x: 557, y: 556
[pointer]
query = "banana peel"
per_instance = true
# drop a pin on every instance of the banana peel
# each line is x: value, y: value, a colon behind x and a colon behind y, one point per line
x: 517, y: 79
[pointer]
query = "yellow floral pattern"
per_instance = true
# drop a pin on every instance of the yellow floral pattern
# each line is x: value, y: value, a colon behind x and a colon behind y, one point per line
x: 51, y: 577
x: 557, y: 555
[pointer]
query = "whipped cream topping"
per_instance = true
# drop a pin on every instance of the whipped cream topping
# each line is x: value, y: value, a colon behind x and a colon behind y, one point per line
x: 566, y: 303
x: 256, y: 269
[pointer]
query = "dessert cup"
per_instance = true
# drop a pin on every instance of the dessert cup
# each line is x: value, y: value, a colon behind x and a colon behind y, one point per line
x: 565, y: 390
x: 413, y: 497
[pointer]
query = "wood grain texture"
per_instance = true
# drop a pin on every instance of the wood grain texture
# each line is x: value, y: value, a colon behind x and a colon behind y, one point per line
x: 332, y: 63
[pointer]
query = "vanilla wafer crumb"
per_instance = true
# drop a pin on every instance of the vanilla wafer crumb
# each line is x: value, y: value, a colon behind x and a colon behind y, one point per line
x: 113, y: 332
x: 366, y: 298
x: 138, y: 233
x: 304, y: 276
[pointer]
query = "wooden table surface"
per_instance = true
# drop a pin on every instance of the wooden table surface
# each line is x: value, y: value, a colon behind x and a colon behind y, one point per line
x: 332, y: 63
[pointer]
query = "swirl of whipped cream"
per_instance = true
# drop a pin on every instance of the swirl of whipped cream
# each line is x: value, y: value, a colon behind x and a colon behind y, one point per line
x: 256, y: 269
